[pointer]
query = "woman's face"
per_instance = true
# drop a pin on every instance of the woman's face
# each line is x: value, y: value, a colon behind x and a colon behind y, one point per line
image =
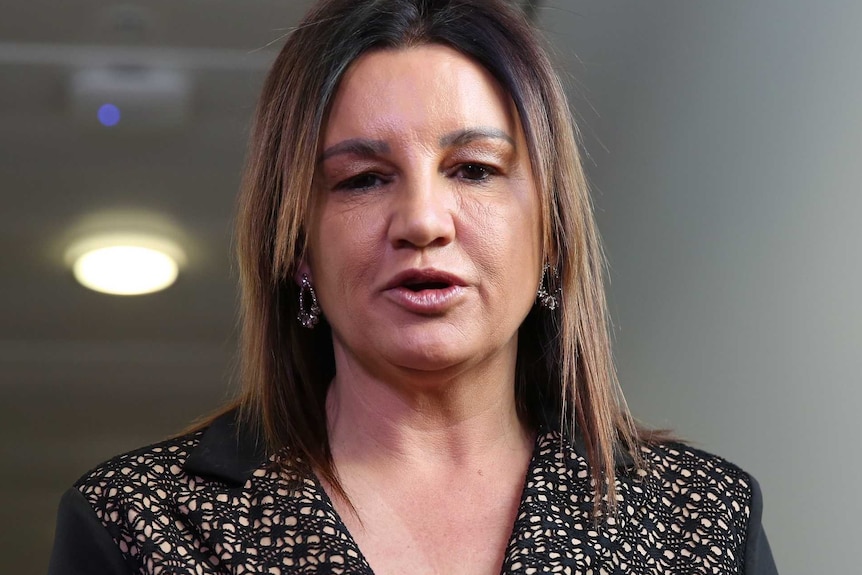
x: 424, y: 249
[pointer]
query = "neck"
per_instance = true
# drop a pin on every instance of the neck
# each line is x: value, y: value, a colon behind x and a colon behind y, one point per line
x: 432, y: 420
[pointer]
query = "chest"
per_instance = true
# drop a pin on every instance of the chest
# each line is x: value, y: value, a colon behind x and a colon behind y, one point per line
x: 677, y: 522
x: 440, y: 533
x: 553, y: 532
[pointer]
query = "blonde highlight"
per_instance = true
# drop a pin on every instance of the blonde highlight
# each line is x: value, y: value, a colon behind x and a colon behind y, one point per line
x: 565, y: 366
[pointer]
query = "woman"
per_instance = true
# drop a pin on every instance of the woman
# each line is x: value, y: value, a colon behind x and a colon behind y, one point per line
x: 428, y: 382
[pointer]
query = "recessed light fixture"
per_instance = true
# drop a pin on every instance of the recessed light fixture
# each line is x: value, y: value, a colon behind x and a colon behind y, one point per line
x: 125, y: 264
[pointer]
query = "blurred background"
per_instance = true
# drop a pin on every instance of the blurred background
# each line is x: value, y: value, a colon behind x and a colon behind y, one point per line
x: 723, y: 143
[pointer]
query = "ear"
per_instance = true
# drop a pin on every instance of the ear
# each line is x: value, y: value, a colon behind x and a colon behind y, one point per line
x: 302, y: 269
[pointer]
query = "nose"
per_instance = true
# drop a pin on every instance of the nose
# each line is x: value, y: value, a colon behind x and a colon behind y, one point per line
x: 423, y: 213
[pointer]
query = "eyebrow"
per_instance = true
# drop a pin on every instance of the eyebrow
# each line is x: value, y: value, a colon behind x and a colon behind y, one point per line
x: 368, y: 148
x: 357, y: 147
x: 466, y: 136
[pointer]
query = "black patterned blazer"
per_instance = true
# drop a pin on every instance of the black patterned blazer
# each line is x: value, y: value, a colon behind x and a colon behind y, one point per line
x: 208, y: 503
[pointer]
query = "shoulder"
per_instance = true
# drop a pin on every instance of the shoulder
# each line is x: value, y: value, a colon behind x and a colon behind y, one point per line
x: 211, y: 497
x: 681, y: 496
x: 711, y: 501
x: 683, y: 510
x: 155, y: 466
x: 708, y: 491
x: 151, y: 500
x: 668, y: 467
x: 224, y: 452
x: 678, y: 467
x: 170, y: 476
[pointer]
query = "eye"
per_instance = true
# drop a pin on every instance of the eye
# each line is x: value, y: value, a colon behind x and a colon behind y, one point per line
x: 475, y: 172
x: 360, y: 182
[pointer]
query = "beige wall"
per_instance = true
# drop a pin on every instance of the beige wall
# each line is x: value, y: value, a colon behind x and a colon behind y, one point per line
x: 727, y: 162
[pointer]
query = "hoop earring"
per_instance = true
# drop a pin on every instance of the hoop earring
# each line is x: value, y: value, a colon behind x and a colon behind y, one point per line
x: 548, y: 294
x: 307, y: 317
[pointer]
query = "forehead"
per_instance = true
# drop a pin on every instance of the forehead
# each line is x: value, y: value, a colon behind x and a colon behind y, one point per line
x: 416, y: 90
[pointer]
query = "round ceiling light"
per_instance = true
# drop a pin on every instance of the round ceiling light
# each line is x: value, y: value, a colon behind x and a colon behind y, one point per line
x: 125, y: 264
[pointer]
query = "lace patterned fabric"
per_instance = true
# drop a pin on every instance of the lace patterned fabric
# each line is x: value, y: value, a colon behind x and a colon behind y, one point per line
x: 204, y: 504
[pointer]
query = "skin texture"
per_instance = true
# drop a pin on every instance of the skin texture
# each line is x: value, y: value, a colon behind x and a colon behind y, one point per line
x: 424, y: 167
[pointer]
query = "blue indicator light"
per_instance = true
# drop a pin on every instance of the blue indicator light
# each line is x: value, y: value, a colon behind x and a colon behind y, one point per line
x: 109, y: 115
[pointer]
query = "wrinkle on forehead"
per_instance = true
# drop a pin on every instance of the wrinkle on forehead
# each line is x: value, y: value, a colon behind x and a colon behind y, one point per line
x: 378, y: 104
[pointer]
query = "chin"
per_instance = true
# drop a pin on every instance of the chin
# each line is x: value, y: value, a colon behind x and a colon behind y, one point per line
x: 439, y: 351
x: 428, y: 356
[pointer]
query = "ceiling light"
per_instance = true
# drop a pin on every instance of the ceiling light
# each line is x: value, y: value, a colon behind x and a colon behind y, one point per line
x: 125, y: 264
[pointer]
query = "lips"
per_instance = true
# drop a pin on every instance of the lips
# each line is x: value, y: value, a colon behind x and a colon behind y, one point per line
x: 425, y: 291
x: 427, y: 279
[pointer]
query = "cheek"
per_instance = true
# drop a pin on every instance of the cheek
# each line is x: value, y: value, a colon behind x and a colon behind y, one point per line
x: 504, y: 241
x: 344, y: 253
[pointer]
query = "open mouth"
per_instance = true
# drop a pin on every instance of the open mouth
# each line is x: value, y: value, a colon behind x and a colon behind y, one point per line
x: 426, y: 285
x: 426, y: 291
x: 425, y: 280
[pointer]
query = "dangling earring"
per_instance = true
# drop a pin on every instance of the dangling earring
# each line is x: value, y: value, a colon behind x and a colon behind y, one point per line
x: 548, y: 294
x: 307, y: 317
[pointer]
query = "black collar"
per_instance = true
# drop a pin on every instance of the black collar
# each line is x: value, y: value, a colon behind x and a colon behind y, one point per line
x: 228, y: 451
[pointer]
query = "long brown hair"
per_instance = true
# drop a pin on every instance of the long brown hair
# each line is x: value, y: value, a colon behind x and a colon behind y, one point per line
x: 565, y: 374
